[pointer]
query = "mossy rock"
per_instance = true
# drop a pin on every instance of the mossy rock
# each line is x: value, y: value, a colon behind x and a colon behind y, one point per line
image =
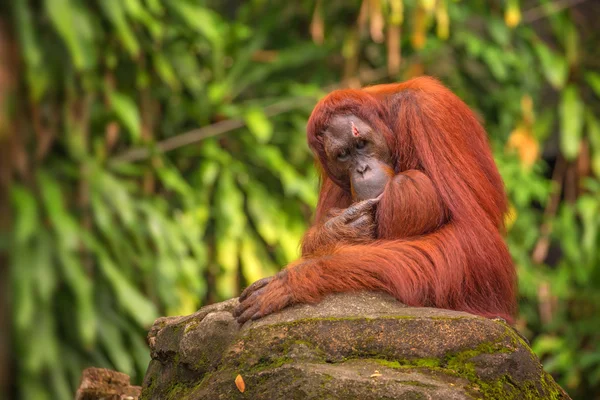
x: 350, y: 346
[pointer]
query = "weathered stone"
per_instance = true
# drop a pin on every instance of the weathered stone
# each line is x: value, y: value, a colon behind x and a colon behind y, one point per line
x: 350, y: 346
x: 104, y: 384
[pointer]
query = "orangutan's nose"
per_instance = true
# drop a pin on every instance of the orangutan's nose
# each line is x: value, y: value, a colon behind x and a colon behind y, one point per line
x: 362, y: 168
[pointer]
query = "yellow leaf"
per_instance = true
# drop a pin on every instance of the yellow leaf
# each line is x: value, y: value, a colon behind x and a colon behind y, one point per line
x: 512, y: 16
x: 527, y: 147
x: 377, y: 22
x: 510, y: 217
x: 239, y: 383
x: 317, y: 25
x: 428, y: 5
x: 419, y: 33
x: 443, y: 21
x: 397, y: 12
x: 527, y: 109
x: 376, y: 374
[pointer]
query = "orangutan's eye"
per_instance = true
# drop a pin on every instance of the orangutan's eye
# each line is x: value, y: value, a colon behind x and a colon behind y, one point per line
x: 343, y: 155
x: 361, y: 144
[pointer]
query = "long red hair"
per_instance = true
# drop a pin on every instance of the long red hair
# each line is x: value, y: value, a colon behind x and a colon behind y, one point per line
x: 463, y: 263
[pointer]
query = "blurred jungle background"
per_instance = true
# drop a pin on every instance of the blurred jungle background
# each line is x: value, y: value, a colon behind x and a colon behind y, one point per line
x: 153, y: 159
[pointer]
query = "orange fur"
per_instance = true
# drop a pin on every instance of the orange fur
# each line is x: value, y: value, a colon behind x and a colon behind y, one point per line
x: 440, y: 221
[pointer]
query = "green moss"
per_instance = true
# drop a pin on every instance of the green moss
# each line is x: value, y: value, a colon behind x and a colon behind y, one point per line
x: 202, y: 364
x: 176, y: 391
x: 504, y: 387
x: 149, y: 388
x: 271, y: 363
x: 304, y: 321
x: 287, y: 345
x: 404, y: 363
x: 461, y: 366
x: 282, y: 337
x: 191, y: 326
x: 417, y: 384
x: 162, y: 324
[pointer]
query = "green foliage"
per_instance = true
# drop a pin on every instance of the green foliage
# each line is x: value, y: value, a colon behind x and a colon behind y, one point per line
x: 105, y: 238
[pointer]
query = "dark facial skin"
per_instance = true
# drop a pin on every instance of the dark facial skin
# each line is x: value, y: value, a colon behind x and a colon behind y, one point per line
x: 359, y: 155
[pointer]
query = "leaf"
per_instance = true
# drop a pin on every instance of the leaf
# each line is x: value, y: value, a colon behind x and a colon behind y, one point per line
x: 593, y: 127
x: 131, y: 300
x: 547, y: 344
x: 543, y: 124
x: 499, y: 32
x: 293, y: 184
x: 474, y: 44
x: 255, y: 262
x: 22, y: 287
x: 243, y: 59
x: 60, y: 384
x: 37, y: 75
x: 496, y: 61
x: 138, y: 348
x: 259, y: 124
x: 193, y: 225
x: 203, y: 20
x: 525, y: 144
x: 111, y: 339
x: 138, y: 11
x: 286, y: 60
x: 588, y: 207
x: 593, y: 79
x: 512, y: 16
x: 442, y: 20
x: 116, y: 13
x: 128, y: 112
x: 165, y: 70
x: 571, y: 122
x: 554, y: 66
x: 72, y: 25
x: 81, y: 286
x: 571, y: 43
x: 45, y: 275
x: 266, y: 219
x: 188, y: 70
x: 26, y: 216
x: 510, y: 217
x: 155, y: 7
x: 230, y: 222
x: 171, y: 178
x: 62, y: 222
x: 239, y: 383
x: 115, y: 193
x: 290, y: 237
x: 42, y: 343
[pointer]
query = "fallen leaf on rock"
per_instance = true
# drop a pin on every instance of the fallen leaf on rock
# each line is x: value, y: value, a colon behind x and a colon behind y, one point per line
x: 376, y: 374
x: 239, y: 383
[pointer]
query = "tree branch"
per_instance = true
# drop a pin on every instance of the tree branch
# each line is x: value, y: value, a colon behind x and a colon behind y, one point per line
x: 219, y: 128
x: 545, y: 10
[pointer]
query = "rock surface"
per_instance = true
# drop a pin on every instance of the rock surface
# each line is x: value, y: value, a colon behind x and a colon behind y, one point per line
x: 350, y: 346
x: 104, y: 384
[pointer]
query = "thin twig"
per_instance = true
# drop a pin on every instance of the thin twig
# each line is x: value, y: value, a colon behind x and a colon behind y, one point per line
x: 545, y: 10
x: 196, y: 135
x: 219, y: 128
